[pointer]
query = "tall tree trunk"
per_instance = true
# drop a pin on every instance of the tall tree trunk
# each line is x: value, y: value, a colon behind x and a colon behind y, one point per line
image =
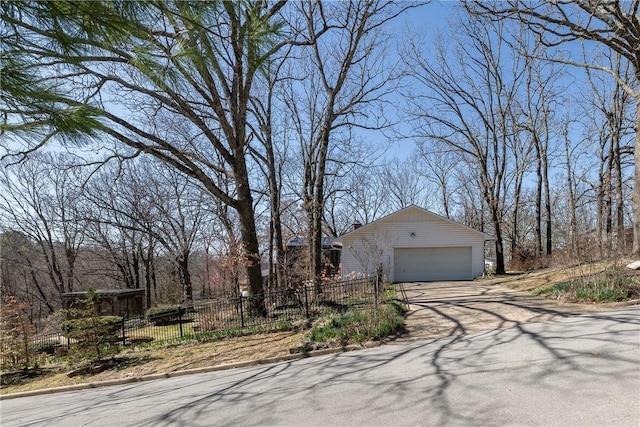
x: 148, y: 273
x: 497, y: 225
x: 44, y: 298
x: 481, y: 215
x: 608, y: 210
x: 275, y: 227
x: 619, y: 200
x: 445, y: 200
x: 251, y: 257
x: 635, y: 196
x: 601, y: 207
x: 184, y: 276
x: 315, y: 197
x: 538, y: 227
x: 136, y: 266
x: 319, y: 201
x: 573, y: 221
x: 547, y: 200
x: 515, y: 237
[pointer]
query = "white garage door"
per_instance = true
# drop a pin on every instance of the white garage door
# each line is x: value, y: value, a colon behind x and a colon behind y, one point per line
x: 431, y: 264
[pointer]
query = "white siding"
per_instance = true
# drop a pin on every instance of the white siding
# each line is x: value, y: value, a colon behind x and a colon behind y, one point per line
x: 371, y: 245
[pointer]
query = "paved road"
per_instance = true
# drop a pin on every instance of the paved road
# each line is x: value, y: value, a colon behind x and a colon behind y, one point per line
x: 582, y: 370
x: 440, y: 309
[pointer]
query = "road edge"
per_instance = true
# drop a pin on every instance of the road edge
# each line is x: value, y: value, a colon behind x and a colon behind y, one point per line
x: 206, y: 369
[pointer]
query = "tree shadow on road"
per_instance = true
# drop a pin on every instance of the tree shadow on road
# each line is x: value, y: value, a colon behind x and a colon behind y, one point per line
x: 412, y: 382
x: 444, y: 367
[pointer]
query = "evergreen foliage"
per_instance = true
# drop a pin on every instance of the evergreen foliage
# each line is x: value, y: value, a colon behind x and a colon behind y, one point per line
x: 93, y: 336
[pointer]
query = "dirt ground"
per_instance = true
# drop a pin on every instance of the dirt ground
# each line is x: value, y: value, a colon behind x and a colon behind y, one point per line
x: 437, y: 309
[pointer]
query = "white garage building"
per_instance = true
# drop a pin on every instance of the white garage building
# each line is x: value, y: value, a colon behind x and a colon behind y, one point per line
x: 414, y: 245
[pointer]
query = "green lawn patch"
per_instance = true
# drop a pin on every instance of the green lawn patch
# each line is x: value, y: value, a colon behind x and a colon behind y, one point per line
x: 359, y: 326
x: 596, y: 289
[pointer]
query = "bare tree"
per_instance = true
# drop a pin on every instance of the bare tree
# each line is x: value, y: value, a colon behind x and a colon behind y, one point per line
x: 39, y: 199
x: 271, y: 129
x: 403, y: 186
x: 117, y: 207
x: 347, y: 78
x: 609, y: 23
x: 468, y: 101
x: 178, y: 207
x: 608, y: 111
x: 571, y: 189
x: 519, y: 150
x: 370, y: 252
x: 108, y: 209
x: 538, y: 108
x: 437, y: 163
x: 361, y: 198
x: 141, y: 204
x: 21, y: 273
x: 364, y: 200
x: 141, y: 64
x: 471, y: 203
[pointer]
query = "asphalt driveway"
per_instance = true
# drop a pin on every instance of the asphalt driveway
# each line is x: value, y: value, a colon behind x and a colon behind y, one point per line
x: 439, y: 309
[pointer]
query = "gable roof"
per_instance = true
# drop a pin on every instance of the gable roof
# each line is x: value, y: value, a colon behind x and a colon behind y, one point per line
x: 404, y: 210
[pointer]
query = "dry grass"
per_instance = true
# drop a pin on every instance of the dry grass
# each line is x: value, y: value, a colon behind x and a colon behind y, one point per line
x: 526, y: 281
x: 170, y: 358
x: 600, y: 282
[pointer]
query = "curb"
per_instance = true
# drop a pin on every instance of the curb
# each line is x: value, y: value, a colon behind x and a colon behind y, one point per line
x: 224, y: 367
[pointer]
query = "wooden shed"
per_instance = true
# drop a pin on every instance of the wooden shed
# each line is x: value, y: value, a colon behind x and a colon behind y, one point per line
x: 113, y: 302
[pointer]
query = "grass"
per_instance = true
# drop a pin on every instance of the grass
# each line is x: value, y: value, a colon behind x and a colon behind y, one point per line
x: 164, y: 332
x: 280, y: 325
x: 610, y: 286
x: 359, y: 326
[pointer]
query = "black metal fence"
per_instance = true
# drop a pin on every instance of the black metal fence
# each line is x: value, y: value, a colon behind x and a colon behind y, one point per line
x: 275, y: 310
x: 285, y: 309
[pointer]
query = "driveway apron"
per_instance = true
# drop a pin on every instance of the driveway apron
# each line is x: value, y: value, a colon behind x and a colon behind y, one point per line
x: 439, y: 309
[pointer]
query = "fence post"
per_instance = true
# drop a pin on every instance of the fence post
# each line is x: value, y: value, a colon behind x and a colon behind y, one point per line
x: 124, y: 337
x: 241, y: 312
x: 180, y: 320
x: 375, y: 290
x: 306, y: 301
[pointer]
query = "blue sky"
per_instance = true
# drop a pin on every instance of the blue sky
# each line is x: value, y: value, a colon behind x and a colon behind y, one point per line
x: 428, y: 19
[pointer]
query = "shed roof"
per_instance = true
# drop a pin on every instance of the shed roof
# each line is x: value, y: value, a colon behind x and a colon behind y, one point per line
x: 107, y: 292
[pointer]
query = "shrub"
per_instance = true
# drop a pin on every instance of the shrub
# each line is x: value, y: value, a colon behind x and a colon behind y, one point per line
x: 360, y: 326
x: 606, y: 288
x: 165, y: 314
x: 527, y: 258
x: 93, y: 335
x: 47, y: 346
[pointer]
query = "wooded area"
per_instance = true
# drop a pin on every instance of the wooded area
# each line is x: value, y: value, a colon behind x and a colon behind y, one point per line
x: 177, y: 147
